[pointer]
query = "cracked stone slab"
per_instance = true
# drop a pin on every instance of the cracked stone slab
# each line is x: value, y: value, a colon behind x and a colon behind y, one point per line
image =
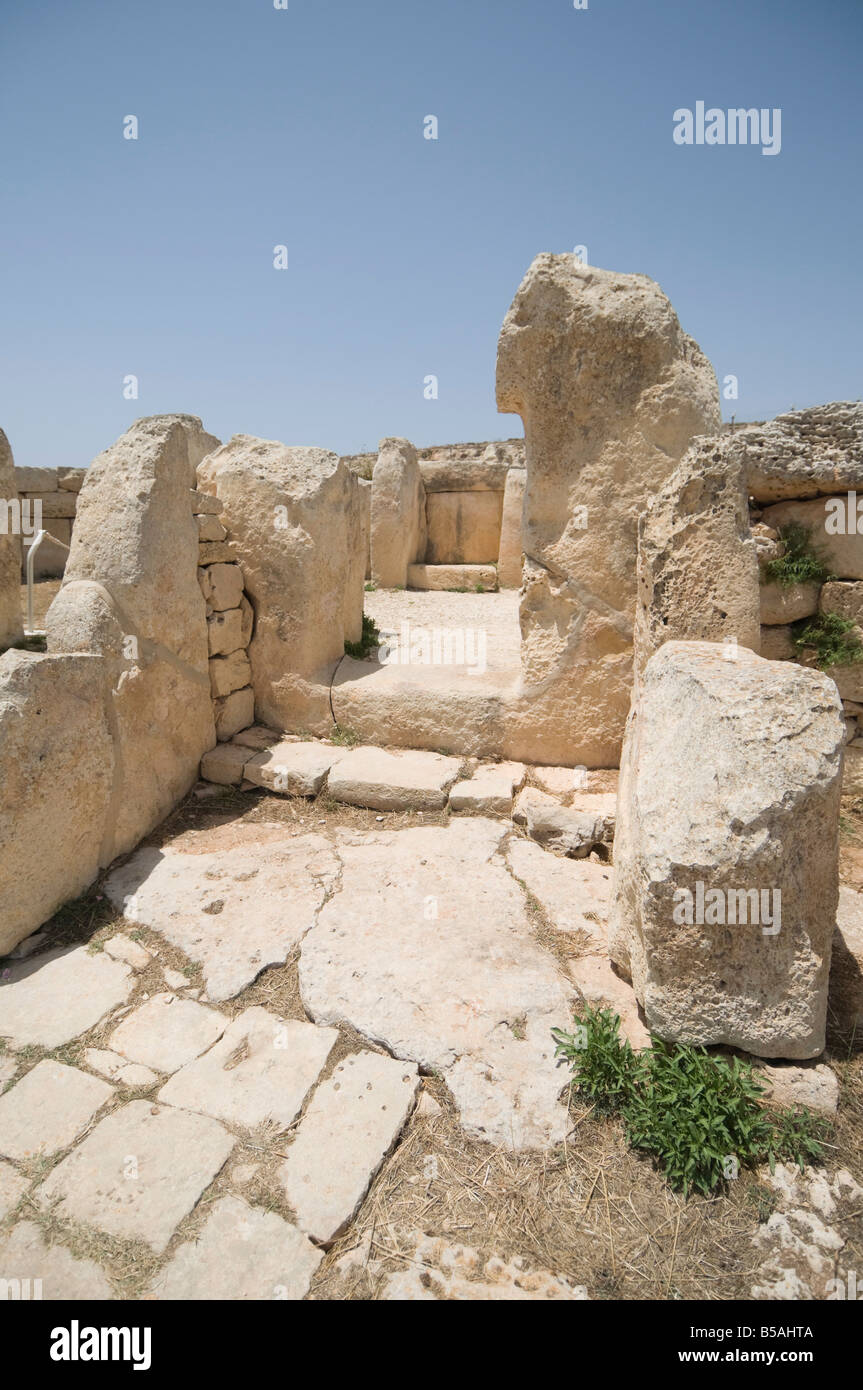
x: 294, y: 769
x: 351, y: 1124
x: 489, y: 791
x: 166, y: 1032
x: 122, y: 947
x: 427, y: 948
x: 601, y: 987
x: 261, y: 1070
x: 53, y: 998
x: 237, y: 899
x: 400, y: 781
x: 575, y: 894
x: 242, y: 1252
x: 139, y: 1172
x: 47, y: 1109
x: 24, y: 1255
x: 118, y: 1069
x: 12, y: 1188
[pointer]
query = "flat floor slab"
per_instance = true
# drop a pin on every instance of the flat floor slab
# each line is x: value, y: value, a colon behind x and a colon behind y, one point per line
x: 139, y: 1172
x: 25, y: 1256
x: 50, y: 999
x: 242, y: 1252
x: 352, y: 1122
x: 166, y: 1032
x: 489, y: 791
x: 47, y: 1109
x: 260, y: 1071
x: 221, y: 897
x: 575, y: 894
x: 399, y: 781
x: 12, y: 1188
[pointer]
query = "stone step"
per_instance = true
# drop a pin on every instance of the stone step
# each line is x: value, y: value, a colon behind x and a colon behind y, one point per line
x: 452, y: 577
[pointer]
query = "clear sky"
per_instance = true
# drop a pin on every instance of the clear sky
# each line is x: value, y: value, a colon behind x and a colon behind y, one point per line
x: 304, y: 127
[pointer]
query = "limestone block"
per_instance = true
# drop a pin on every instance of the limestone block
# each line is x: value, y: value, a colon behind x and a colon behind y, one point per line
x: 726, y: 850
x: 225, y: 631
x: 842, y: 554
x: 463, y: 528
x: 398, y: 526
x: 221, y: 585
x: 611, y: 392
x: 11, y: 622
x: 510, y: 551
x: 782, y: 604
x: 234, y: 712
x: 229, y: 673
x: 398, y: 781
x: 452, y: 577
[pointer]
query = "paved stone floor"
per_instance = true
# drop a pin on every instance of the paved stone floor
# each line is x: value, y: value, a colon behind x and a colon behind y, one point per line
x: 197, y: 1103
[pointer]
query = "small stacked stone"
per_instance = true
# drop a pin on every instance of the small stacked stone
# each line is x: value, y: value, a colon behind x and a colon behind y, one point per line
x: 230, y: 620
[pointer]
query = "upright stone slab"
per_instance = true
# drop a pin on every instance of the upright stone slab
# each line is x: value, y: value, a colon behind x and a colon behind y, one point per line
x: 611, y: 392
x: 11, y: 629
x: 726, y: 850
x: 510, y: 552
x: 398, y: 525
x: 131, y: 595
x: 697, y: 561
x: 56, y: 779
x: 293, y: 515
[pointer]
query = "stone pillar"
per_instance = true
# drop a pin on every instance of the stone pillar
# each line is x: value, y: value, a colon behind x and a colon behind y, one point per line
x: 510, y: 554
x: 611, y: 391
x: 398, y: 521
x: 11, y: 626
x: 294, y: 521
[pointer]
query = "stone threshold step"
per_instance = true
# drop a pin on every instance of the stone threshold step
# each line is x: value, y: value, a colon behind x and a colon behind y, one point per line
x: 453, y: 577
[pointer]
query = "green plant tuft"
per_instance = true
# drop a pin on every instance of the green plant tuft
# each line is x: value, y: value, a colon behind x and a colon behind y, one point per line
x: 832, y: 638
x: 345, y: 738
x: 801, y: 562
x: 370, y: 640
x: 697, y: 1114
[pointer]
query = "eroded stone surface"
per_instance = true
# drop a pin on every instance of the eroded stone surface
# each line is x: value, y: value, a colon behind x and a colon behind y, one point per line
x: 118, y: 1068
x: 222, y: 899
x: 427, y: 949
x: 352, y: 1122
x: 12, y: 1188
x: 242, y: 1252
x: 25, y: 1256
x: 54, y: 997
x: 166, y: 1032
x: 47, y: 1109
x: 489, y: 791
x: 139, y: 1172
x: 295, y: 769
x: 392, y: 781
x: 575, y: 894
x: 437, y: 1270
x: 260, y: 1071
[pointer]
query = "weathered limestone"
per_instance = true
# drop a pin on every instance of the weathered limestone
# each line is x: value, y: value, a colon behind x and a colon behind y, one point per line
x: 600, y: 987
x: 815, y: 1087
x: 842, y: 553
x: 57, y: 765
x: 222, y: 585
x: 295, y: 769
x: 225, y: 764
x: 139, y: 1172
x: 463, y: 527
x: 452, y: 577
x: 561, y: 829
x: 845, y: 1001
x: 574, y: 894
x: 398, y: 525
x: 229, y: 673
x: 11, y: 626
x: 611, y: 392
x: 509, y: 556
x: 781, y: 604
x: 130, y: 594
x: 47, y: 1110
x: 489, y: 791
x: 49, y: 1000
x: 352, y: 1122
x: 234, y: 712
x: 222, y: 898
x: 805, y: 453
x: 166, y: 1033
x: 116, y: 1068
x: 435, y: 1271
x: 62, y: 1276
x: 12, y: 1189
x: 697, y: 562
x: 293, y: 515
x: 392, y: 781
x: 122, y: 947
x: 726, y: 849
x: 846, y: 599
x: 242, y: 1252
x: 259, y: 1072
x: 416, y: 910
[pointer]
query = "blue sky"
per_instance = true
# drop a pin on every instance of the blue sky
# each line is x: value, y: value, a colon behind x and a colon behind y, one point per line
x: 304, y: 127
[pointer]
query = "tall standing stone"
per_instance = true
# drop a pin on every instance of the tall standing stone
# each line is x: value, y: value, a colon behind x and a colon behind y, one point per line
x: 611, y: 391
x: 398, y: 524
x: 726, y: 849
x: 510, y: 553
x: 11, y: 629
x: 294, y: 519
x: 130, y: 594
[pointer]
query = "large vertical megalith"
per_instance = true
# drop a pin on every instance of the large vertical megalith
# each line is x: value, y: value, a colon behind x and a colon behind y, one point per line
x: 294, y: 519
x: 611, y: 391
x: 726, y: 848
x: 130, y: 594
x: 11, y: 629
x: 398, y: 520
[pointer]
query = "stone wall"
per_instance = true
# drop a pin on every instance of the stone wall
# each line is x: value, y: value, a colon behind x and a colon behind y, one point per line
x: 56, y: 490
